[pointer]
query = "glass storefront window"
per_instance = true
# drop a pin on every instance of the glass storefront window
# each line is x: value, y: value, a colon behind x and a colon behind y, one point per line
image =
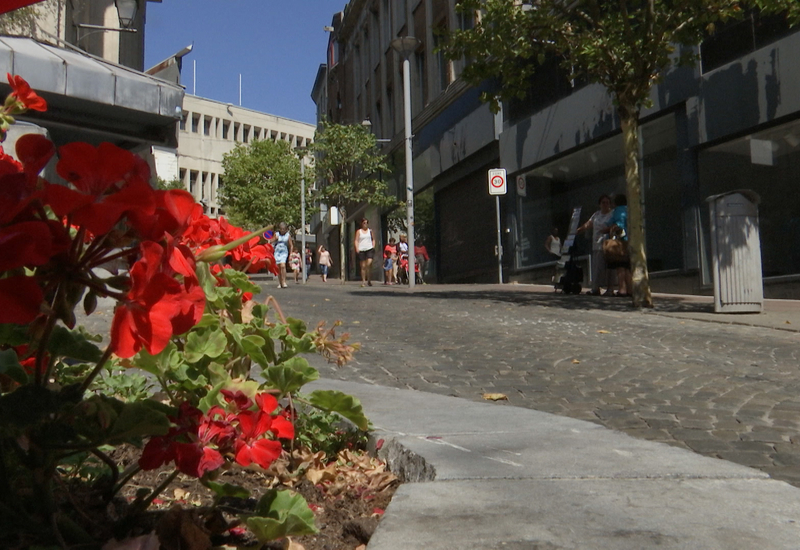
x: 767, y: 162
x: 553, y: 190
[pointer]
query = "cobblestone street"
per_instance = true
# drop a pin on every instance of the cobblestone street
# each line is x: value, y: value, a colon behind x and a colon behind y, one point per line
x: 722, y: 390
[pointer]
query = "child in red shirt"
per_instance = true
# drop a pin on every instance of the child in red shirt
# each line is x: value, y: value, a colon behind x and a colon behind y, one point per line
x: 389, y: 257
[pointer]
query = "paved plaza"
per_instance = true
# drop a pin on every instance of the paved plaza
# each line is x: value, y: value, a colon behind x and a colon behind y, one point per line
x: 722, y: 388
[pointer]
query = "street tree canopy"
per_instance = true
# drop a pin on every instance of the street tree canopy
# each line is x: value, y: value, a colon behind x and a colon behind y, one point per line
x: 351, y: 170
x: 351, y: 167
x: 261, y: 184
x: 625, y: 45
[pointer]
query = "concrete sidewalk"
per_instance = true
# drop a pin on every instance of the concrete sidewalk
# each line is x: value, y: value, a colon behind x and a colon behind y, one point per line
x: 501, y: 477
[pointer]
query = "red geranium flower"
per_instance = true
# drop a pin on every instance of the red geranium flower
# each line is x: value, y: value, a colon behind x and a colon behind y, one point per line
x: 251, y: 446
x: 27, y: 97
x: 109, y: 182
x: 158, y: 304
x: 171, y: 215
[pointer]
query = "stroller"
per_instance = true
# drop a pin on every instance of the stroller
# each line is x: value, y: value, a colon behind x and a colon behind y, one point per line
x: 569, y: 275
x: 402, y: 270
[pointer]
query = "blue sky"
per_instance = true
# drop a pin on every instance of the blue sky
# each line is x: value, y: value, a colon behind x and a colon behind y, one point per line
x: 276, y: 45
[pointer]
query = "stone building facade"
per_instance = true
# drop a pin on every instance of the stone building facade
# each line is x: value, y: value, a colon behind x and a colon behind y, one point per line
x: 730, y: 122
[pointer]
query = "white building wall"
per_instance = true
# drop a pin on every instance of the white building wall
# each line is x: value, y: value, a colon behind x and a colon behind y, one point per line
x: 212, y: 128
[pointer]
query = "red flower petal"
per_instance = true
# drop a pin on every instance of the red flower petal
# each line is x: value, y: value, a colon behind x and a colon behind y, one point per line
x: 34, y: 151
x: 263, y: 452
x: 25, y: 244
x: 93, y: 170
x: 21, y: 298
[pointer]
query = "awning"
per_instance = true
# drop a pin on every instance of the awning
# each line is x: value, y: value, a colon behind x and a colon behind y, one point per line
x: 88, y: 95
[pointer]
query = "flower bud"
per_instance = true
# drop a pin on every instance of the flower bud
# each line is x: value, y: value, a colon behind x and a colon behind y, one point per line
x: 212, y: 253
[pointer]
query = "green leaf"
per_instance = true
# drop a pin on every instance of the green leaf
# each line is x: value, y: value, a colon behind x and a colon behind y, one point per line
x: 291, y: 375
x: 341, y: 403
x: 136, y: 420
x: 206, y: 343
x: 281, y: 514
x: 10, y: 366
x: 240, y: 281
x: 165, y: 362
x: 72, y: 344
x: 13, y: 335
x: 227, y: 490
x: 252, y: 345
x: 297, y: 327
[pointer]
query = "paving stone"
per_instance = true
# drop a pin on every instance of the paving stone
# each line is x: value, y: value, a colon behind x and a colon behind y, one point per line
x: 708, y: 446
x: 765, y: 435
x: 752, y: 459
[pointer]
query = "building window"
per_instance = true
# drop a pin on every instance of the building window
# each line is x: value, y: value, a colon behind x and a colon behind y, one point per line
x: 420, y: 93
x: 195, y: 123
x: 246, y: 131
x: 193, y: 175
x: 734, y: 39
x: 580, y: 178
x: 226, y: 126
x: 767, y: 162
x: 207, y: 126
x: 236, y: 130
x: 183, y: 122
x: 445, y: 74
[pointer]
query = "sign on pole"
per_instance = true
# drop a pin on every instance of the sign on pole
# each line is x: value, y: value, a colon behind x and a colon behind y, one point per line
x: 522, y: 188
x: 497, y: 181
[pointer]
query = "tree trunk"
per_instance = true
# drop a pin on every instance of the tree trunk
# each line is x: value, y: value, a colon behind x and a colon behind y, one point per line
x: 342, y: 272
x: 629, y: 120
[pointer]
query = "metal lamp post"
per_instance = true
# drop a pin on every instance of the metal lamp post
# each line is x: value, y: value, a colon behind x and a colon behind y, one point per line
x: 405, y: 46
x: 126, y: 13
x: 302, y: 152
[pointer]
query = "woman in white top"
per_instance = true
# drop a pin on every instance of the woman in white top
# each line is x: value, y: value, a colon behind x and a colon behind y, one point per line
x: 553, y: 243
x: 364, y: 244
x: 599, y: 223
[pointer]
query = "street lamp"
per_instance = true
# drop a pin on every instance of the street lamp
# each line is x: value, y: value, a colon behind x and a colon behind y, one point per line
x: 405, y: 46
x: 126, y: 10
x: 126, y: 13
x: 302, y: 152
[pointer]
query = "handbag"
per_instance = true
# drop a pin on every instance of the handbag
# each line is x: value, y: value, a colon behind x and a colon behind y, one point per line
x: 615, y: 250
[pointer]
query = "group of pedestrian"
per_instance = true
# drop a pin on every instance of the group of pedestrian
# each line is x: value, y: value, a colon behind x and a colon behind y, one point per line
x: 395, y: 256
x: 610, y: 224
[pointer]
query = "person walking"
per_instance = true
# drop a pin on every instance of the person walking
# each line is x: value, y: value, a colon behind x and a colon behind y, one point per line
x: 364, y: 244
x: 309, y: 260
x: 324, y: 262
x: 599, y: 223
x: 282, y: 247
x: 295, y: 263
x: 389, y: 259
x: 618, y: 228
x: 421, y: 257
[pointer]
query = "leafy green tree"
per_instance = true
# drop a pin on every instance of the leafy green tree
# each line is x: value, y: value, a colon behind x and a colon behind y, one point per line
x: 262, y: 184
x: 625, y: 45
x: 165, y: 185
x: 350, y: 165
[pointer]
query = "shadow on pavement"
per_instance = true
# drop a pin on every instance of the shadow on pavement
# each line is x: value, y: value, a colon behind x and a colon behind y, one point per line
x: 524, y: 297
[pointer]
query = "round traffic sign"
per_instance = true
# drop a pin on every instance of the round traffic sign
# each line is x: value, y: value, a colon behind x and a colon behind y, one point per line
x: 497, y: 181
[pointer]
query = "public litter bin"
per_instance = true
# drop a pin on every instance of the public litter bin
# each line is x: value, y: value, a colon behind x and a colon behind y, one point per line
x: 736, y: 252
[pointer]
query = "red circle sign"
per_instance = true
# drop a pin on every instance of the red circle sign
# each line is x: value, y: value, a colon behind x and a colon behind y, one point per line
x: 497, y: 181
